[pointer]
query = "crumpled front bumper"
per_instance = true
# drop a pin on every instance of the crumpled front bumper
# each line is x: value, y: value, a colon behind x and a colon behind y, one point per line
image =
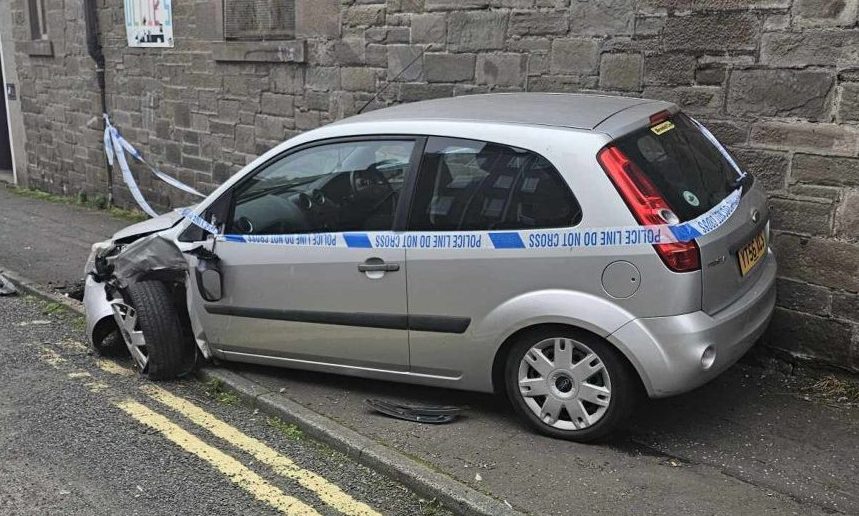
x: 100, y: 319
x: 98, y: 309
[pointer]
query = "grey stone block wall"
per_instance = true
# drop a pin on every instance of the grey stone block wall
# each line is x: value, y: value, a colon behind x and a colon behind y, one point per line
x: 777, y: 80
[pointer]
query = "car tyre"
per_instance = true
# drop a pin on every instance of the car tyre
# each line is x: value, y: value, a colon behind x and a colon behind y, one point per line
x: 168, y: 350
x: 613, y: 385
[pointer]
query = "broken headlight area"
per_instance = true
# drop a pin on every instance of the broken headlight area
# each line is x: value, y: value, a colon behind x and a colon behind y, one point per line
x: 96, y: 262
x: 152, y: 257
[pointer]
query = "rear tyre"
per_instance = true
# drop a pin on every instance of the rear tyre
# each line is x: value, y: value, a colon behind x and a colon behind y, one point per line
x: 152, y: 329
x: 569, y: 384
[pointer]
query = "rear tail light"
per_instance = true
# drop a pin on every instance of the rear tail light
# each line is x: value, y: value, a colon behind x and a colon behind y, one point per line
x: 648, y: 207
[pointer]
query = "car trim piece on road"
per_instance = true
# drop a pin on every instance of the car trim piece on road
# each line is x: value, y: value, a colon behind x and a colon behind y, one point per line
x: 432, y: 323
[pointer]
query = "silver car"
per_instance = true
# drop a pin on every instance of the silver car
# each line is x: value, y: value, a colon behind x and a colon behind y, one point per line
x: 570, y: 251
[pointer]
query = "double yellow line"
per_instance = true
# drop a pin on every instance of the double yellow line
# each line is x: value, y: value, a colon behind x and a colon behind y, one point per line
x: 327, y: 492
x: 230, y: 467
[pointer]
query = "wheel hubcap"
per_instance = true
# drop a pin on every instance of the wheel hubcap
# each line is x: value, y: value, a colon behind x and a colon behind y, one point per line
x: 126, y: 319
x: 564, y: 383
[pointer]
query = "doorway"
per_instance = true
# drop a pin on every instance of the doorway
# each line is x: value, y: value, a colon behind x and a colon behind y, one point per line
x: 5, y: 142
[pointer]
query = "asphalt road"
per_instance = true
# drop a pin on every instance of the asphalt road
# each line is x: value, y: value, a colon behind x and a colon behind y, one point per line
x: 80, y: 435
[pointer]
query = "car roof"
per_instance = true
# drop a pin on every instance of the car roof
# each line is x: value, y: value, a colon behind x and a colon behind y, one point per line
x: 570, y: 110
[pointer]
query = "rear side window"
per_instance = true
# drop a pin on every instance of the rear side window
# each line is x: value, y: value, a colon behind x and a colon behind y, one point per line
x: 688, y: 170
x: 472, y: 185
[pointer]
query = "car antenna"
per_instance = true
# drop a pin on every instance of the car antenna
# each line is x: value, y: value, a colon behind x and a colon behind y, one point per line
x: 388, y: 83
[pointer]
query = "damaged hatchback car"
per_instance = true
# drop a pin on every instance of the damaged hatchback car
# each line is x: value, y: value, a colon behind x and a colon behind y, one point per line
x: 570, y: 251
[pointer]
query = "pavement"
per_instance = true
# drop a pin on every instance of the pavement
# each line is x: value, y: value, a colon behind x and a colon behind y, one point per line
x: 45, y: 241
x: 758, y: 439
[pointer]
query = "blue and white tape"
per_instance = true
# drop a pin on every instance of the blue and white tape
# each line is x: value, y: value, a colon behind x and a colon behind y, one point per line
x: 524, y: 239
x: 115, y: 147
x: 198, y: 221
x: 537, y: 239
x: 721, y: 148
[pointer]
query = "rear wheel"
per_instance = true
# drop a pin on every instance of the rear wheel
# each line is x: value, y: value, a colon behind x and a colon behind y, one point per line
x: 569, y: 384
x: 151, y: 327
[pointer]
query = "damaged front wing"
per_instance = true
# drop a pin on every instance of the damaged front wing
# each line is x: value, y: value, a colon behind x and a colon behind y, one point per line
x: 113, y: 267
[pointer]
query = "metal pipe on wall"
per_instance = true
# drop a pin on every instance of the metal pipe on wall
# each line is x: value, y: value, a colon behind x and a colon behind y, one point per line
x: 95, y: 51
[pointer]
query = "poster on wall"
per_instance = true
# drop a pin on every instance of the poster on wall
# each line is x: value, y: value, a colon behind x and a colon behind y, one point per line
x: 149, y: 23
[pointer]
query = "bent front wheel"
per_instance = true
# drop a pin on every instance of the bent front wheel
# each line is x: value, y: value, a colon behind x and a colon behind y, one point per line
x: 152, y: 330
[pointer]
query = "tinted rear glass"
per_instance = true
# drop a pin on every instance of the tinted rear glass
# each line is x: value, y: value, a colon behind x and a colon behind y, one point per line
x: 473, y: 185
x: 690, y: 172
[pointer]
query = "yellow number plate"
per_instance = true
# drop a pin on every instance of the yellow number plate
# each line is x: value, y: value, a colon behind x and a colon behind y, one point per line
x: 751, y: 253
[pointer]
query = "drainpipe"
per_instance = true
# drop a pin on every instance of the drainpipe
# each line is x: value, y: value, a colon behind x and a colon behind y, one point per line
x: 94, y: 49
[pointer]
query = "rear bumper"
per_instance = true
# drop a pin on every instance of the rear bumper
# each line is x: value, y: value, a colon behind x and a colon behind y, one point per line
x: 667, y: 351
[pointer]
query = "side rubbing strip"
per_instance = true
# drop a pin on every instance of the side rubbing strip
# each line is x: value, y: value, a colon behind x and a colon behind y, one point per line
x: 435, y: 323
x: 367, y: 320
x: 439, y: 323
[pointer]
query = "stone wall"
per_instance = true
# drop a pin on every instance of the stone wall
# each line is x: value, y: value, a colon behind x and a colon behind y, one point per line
x: 776, y: 80
x: 59, y: 101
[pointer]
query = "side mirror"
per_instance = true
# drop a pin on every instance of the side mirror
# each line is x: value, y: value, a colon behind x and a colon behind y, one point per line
x: 208, y: 273
x: 209, y: 281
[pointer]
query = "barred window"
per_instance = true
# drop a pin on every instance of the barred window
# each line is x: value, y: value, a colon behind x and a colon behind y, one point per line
x: 259, y: 19
x: 38, y: 26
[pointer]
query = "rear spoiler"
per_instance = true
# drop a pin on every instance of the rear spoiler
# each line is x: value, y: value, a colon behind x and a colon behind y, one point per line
x: 633, y: 118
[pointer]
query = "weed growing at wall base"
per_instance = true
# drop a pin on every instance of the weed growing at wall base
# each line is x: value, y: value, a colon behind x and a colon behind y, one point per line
x: 98, y: 203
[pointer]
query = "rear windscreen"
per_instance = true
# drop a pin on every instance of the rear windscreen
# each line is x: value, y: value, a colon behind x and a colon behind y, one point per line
x: 690, y: 171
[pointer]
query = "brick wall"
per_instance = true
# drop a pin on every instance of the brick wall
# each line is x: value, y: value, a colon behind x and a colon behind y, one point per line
x: 777, y: 80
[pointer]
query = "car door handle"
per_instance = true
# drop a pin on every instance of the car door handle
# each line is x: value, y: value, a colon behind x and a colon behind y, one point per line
x: 378, y: 267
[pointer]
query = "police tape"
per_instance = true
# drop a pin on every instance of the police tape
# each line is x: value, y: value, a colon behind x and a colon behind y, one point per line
x: 521, y: 239
x: 536, y: 239
x: 115, y: 147
x: 198, y: 221
x: 721, y: 148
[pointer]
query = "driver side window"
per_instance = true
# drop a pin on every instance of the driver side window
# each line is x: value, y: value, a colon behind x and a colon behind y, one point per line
x: 349, y: 186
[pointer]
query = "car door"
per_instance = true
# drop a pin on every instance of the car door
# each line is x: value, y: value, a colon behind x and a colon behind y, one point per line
x: 300, y: 282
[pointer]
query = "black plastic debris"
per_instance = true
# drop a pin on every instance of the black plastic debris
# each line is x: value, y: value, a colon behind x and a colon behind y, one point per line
x: 433, y: 414
x: 6, y: 287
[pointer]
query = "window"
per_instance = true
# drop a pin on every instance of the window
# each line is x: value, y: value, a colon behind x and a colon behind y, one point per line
x: 259, y: 19
x: 336, y: 187
x: 38, y: 25
x: 688, y: 170
x: 470, y: 185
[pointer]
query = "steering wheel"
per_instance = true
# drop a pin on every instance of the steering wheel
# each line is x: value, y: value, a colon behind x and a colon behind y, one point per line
x: 363, y: 180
